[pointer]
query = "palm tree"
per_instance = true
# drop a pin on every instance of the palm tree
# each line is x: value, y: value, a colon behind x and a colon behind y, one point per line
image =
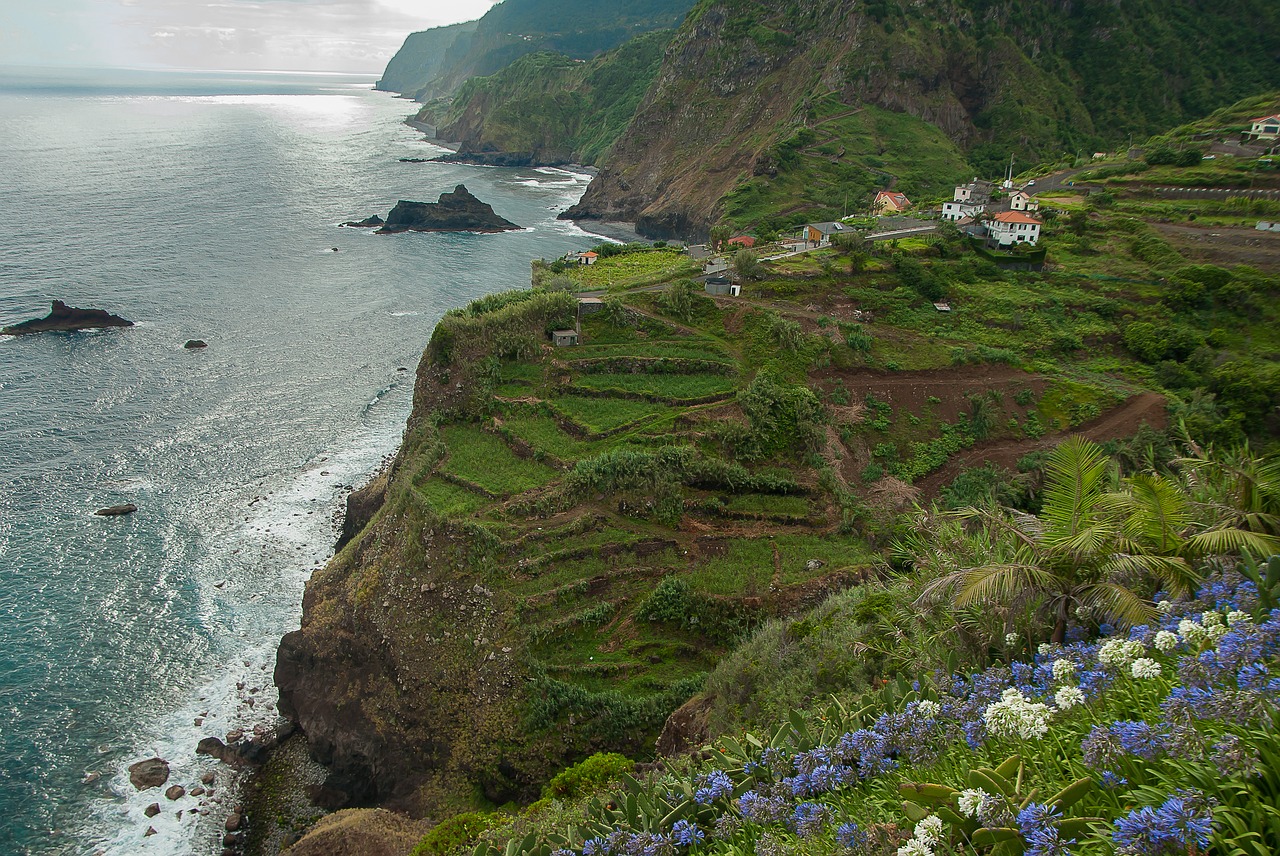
x: 1086, y: 548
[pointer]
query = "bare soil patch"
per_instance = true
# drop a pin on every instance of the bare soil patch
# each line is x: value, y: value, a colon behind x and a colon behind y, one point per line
x: 1224, y: 245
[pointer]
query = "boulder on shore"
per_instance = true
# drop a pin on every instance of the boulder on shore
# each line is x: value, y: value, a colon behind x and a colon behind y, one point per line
x: 151, y: 773
x: 458, y: 211
x: 117, y: 510
x: 64, y: 317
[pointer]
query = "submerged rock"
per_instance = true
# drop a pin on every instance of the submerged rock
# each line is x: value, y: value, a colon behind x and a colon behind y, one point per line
x: 458, y: 211
x: 64, y: 317
x: 117, y: 510
x: 151, y: 773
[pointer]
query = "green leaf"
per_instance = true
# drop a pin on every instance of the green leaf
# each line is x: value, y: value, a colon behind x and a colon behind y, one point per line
x: 929, y: 794
x: 990, y: 781
x: 914, y: 811
x: 1072, y: 794
x: 1009, y: 766
x: 992, y: 836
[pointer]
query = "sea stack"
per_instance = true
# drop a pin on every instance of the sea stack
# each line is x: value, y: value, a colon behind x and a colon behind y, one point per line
x: 64, y: 317
x: 458, y: 211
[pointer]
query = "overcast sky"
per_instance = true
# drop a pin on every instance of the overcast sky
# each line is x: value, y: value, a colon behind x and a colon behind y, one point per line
x: 304, y: 35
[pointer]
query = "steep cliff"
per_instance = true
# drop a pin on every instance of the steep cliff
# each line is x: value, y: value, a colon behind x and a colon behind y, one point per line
x: 423, y: 55
x: 547, y: 109
x: 749, y: 92
x: 514, y: 28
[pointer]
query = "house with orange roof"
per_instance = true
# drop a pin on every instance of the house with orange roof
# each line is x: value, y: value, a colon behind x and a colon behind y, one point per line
x: 587, y: 258
x: 890, y: 202
x: 1265, y: 127
x: 746, y: 242
x: 1009, y: 228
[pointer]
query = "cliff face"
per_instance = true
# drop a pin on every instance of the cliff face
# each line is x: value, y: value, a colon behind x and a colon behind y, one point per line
x: 749, y: 91
x: 423, y: 55
x: 548, y: 109
x: 576, y: 28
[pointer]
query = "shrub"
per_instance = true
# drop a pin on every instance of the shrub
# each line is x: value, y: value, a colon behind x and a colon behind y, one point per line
x: 587, y: 775
x: 452, y: 833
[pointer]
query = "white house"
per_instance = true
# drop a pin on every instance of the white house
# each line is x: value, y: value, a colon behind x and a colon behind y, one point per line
x: 969, y: 200
x: 1265, y: 127
x: 1020, y: 200
x: 1014, y: 227
x: 587, y: 258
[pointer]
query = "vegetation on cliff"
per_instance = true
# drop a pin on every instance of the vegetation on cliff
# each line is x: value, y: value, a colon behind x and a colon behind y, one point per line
x: 763, y: 99
x: 717, y: 498
x: 579, y: 29
x: 548, y: 108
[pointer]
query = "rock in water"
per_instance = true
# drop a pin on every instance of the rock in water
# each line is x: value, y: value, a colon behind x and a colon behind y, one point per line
x: 175, y: 792
x: 117, y: 510
x: 151, y: 773
x: 152, y: 810
x: 458, y: 211
x: 372, y: 222
x: 195, y: 343
x: 64, y: 317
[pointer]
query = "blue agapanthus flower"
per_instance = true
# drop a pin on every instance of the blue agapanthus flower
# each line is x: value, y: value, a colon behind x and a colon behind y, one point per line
x: 686, y: 834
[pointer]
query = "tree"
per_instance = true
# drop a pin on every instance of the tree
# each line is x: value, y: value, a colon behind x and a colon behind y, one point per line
x: 1084, y: 549
x: 719, y: 234
x: 854, y: 247
x: 747, y: 266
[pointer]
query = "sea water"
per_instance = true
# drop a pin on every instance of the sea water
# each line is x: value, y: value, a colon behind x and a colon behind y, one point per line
x: 200, y: 206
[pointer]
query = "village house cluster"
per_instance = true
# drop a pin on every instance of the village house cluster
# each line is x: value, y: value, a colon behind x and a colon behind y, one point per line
x: 1002, y: 217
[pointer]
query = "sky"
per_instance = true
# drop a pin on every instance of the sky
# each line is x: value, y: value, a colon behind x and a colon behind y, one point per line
x: 285, y: 35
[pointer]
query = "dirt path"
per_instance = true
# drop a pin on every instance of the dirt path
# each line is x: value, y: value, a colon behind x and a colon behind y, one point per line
x: 1119, y: 422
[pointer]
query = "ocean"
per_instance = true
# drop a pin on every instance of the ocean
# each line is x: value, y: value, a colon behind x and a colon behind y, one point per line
x: 200, y: 206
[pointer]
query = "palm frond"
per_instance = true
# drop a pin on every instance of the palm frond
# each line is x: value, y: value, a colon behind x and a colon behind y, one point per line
x: 1002, y: 583
x: 1230, y: 541
x: 1074, y: 477
x: 1118, y: 604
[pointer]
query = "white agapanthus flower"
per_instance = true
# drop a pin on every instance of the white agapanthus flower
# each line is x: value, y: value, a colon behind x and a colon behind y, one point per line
x: 1145, y: 667
x: 1063, y: 669
x: 928, y: 709
x: 1015, y: 715
x: 1192, y: 632
x: 1120, y: 652
x: 915, y: 847
x: 1216, y: 632
x: 1211, y: 619
x: 971, y: 801
x: 1011, y: 639
x: 1166, y: 642
x: 929, y: 830
x: 1044, y: 649
x: 1235, y: 617
x: 1068, y: 697
x: 1164, y: 607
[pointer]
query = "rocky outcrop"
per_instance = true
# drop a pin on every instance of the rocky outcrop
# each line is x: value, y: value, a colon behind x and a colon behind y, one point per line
x: 371, y: 222
x: 66, y: 318
x: 195, y: 344
x: 458, y: 211
x: 362, y: 504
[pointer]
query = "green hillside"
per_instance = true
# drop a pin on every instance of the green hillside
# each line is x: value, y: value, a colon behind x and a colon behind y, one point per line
x: 747, y: 84
x: 548, y: 108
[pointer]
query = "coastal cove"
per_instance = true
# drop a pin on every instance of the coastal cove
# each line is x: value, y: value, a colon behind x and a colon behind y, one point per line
x: 200, y: 207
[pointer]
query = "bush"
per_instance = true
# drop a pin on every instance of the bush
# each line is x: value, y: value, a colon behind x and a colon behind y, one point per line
x: 587, y: 775
x: 452, y: 833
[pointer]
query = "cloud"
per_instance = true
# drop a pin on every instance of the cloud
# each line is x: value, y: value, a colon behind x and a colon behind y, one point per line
x: 309, y: 35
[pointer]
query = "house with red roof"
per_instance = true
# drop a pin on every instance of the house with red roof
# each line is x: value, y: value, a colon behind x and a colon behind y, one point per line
x: 1265, y: 127
x: 890, y: 202
x: 1013, y: 227
x: 587, y: 258
x: 746, y: 242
